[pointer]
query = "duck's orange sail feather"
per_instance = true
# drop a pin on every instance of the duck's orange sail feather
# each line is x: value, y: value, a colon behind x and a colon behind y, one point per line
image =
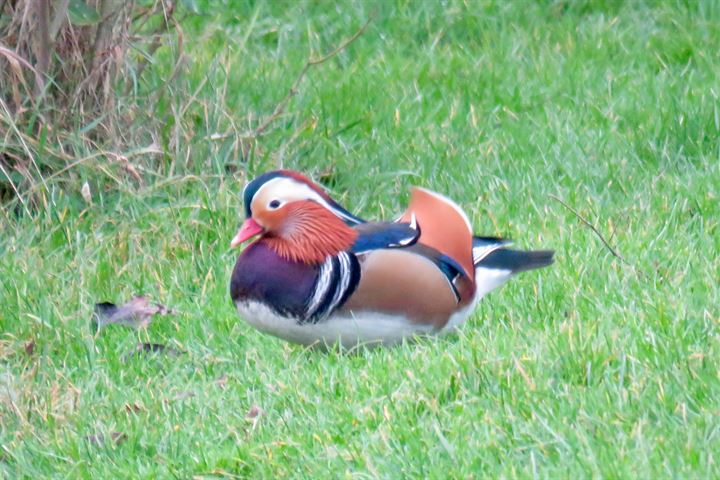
x: 443, y: 226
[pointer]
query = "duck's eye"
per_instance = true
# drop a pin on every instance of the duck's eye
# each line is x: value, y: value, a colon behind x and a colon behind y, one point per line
x: 274, y: 204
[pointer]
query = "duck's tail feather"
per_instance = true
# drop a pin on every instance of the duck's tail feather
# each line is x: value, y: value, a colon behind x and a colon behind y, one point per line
x: 516, y: 261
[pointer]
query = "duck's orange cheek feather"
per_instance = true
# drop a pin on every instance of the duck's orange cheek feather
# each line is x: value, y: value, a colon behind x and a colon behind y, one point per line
x: 272, y: 221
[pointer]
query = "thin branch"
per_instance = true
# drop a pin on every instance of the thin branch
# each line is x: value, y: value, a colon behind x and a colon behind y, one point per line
x: 342, y: 46
x: 44, y: 44
x: 156, y: 35
x: 280, y: 107
x: 109, y: 10
x: 59, y: 18
x: 592, y: 227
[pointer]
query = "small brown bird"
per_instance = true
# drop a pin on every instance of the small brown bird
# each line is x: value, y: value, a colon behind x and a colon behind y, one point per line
x: 136, y: 313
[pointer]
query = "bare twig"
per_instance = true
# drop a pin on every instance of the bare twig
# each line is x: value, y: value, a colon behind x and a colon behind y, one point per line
x: 614, y: 252
x: 280, y: 107
x: 109, y: 9
x: 591, y: 226
x: 59, y: 18
x: 157, y: 38
x: 179, y: 62
x: 43, y: 44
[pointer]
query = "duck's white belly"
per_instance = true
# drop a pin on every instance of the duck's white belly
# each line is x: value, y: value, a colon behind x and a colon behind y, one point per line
x: 349, y: 330
x: 363, y: 328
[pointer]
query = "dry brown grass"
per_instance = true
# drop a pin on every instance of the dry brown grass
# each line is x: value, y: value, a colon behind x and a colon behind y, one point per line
x: 65, y: 70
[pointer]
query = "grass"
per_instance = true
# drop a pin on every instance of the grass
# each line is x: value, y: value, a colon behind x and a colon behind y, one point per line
x: 591, y: 368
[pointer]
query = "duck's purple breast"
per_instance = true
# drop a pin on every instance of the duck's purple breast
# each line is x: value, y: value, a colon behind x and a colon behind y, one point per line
x: 262, y: 275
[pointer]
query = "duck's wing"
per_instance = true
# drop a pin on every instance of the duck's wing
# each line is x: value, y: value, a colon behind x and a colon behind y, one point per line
x: 411, y: 283
x: 420, y: 266
x: 377, y: 235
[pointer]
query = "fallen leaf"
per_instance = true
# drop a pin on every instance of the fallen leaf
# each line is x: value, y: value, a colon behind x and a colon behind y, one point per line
x: 85, y: 192
x: 254, y: 412
x: 134, y: 407
x: 99, y: 439
x: 183, y: 395
x: 130, y: 168
x: 137, y: 313
x: 143, y: 348
x: 222, y: 381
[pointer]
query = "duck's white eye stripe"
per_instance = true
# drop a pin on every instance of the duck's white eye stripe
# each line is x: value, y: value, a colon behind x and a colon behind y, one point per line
x: 290, y: 190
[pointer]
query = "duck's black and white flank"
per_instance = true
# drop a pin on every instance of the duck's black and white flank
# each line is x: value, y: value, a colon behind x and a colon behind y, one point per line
x: 319, y: 275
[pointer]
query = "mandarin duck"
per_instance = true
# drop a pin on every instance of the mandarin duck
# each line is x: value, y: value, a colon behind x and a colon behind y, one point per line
x: 319, y: 275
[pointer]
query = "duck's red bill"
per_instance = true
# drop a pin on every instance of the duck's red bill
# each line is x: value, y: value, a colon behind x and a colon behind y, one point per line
x: 248, y: 230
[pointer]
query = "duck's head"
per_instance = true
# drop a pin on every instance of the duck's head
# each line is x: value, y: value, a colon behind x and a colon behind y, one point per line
x: 295, y: 217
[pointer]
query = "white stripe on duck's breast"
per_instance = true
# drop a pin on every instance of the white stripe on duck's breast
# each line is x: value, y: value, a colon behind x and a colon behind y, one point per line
x: 337, y: 279
x: 348, y: 329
